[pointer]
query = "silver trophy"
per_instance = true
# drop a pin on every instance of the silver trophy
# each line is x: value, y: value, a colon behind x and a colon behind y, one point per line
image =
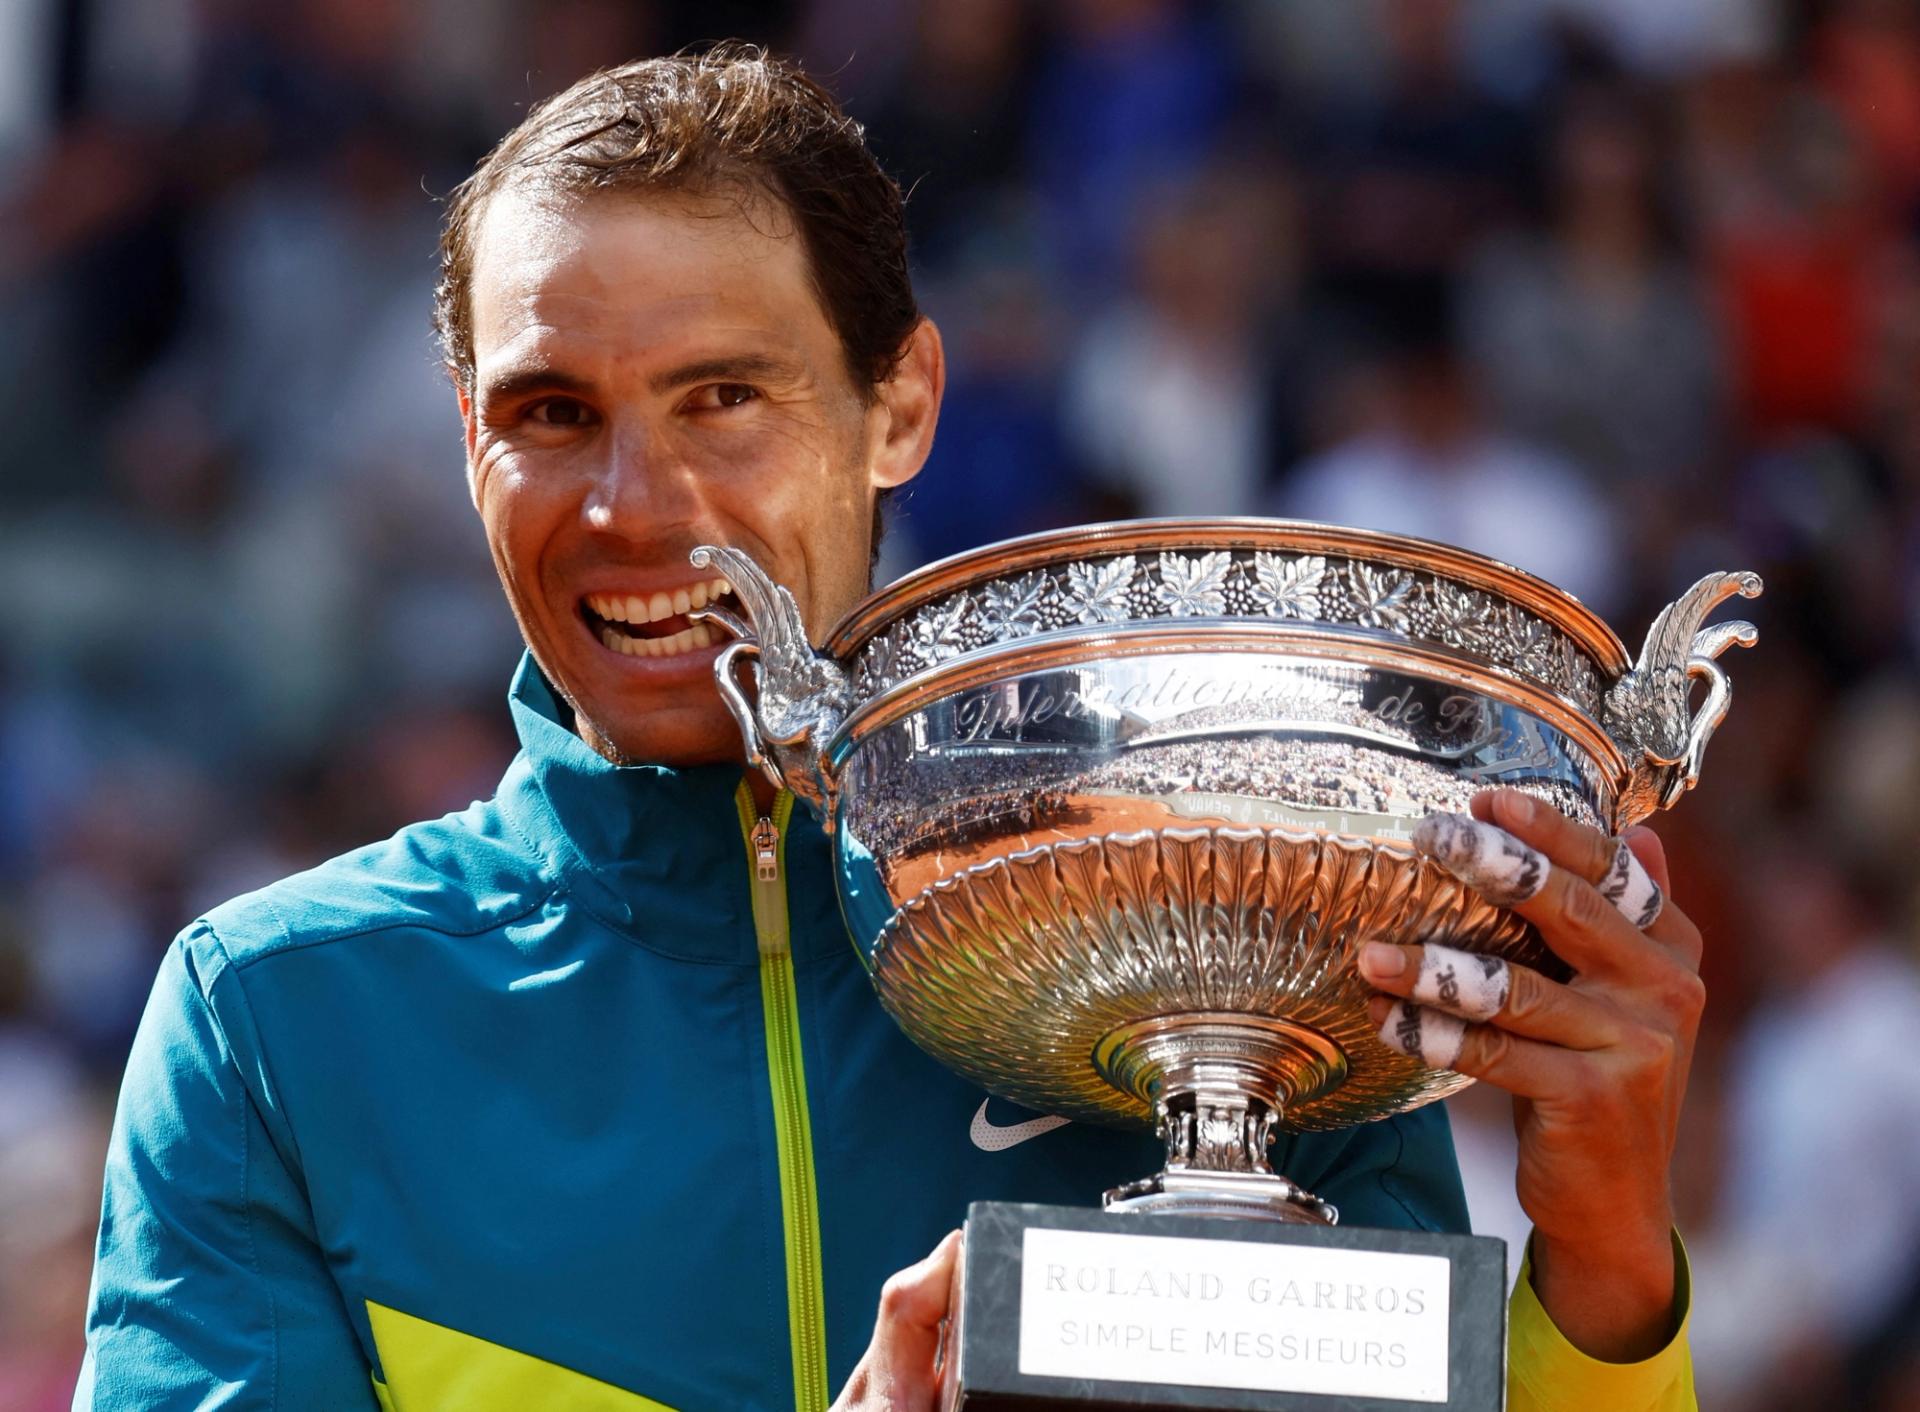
x: 1113, y: 807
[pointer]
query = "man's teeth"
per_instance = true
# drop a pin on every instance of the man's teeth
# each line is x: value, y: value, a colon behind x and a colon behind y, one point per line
x: 637, y: 610
x: 686, y: 640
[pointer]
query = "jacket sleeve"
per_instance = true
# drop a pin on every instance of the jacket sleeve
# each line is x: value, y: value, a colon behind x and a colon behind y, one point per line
x: 1402, y: 1172
x: 209, y: 1287
x: 1545, y: 1373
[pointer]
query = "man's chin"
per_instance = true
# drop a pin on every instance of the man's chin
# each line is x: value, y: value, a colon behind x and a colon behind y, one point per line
x: 664, y: 737
x: 646, y: 712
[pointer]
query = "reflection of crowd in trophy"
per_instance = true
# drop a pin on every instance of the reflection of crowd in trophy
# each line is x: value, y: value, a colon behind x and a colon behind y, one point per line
x: 1312, y: 774
x: 928, y: 803
x: 1295, y: 711
x: 917, y: 806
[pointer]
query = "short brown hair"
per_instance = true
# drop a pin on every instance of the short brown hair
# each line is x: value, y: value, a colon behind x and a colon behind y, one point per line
x: 730, y: 117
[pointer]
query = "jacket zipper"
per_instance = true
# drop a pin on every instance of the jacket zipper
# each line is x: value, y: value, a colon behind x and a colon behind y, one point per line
x: 799, y: 1204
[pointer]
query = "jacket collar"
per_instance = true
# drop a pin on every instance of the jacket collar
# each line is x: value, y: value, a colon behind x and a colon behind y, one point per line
x: 654, y: 850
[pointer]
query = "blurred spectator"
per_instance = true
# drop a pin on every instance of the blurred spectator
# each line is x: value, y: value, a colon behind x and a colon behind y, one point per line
x: 1168, y: 399
x: 1597, y: 313
x: 1813, y: 510
x: 1425, y: 460
x: 1404, y: 180
x: 1824, y: 1134
x: 1797, y: 250
x: 1134, y: 92
x: 1000, y: 464
x: 1866, y: 60
x: 951, y: 126
x: 1867, y: 792
x: 51, y: 1128
x: 1669, y: 38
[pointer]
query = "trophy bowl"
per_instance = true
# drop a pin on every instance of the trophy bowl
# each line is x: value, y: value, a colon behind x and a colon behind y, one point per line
x: 1113, y: 807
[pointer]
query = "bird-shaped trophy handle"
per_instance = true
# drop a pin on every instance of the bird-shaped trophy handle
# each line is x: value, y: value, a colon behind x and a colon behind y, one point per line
x: 800, y: 696
x: 1648, y: 710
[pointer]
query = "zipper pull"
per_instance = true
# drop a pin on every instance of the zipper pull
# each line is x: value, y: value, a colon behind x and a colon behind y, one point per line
x: 766, y: 850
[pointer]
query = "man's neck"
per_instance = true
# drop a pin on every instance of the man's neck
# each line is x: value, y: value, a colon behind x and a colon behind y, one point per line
x: 764, y: 791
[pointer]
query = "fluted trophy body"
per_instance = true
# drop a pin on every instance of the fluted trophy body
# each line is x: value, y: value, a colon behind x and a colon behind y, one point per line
x: 1114, y: 807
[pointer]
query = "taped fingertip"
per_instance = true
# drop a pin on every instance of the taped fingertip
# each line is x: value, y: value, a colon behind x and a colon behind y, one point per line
x: 1423, y: 1034
x: 1435, y: 835
x: 1631, y: 888
x: 1488, y: 859
x: 1463, y: 983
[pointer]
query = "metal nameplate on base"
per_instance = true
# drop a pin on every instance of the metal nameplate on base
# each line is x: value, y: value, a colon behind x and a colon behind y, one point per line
x: 1057, y: 1307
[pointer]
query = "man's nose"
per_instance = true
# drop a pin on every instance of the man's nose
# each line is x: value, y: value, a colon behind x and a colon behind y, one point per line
x: 638, y: 487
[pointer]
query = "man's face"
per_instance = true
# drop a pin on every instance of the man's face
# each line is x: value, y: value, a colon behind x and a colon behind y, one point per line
x: 652, y: 373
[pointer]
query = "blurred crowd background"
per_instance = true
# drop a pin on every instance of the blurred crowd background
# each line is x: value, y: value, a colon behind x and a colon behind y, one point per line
x: 1620, y: 290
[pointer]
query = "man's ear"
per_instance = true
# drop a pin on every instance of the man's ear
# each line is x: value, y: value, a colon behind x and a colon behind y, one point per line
x: 910, y: 401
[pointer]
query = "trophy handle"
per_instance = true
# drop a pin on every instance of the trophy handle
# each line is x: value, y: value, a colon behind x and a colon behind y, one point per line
x: 1648, y: 711
x: 800, y: 695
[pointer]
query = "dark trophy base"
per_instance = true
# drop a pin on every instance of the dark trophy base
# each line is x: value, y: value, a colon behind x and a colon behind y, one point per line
x: 1060, y: 1308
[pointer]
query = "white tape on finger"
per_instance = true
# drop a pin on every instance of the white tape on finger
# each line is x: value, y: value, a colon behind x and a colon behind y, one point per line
x: 1490, y: 860
x: 1629, y: 887
x: 1473, y: 987
x: 1420, y: 1032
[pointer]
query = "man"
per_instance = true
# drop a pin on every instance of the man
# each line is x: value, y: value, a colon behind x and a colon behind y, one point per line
x: 580, y: 1098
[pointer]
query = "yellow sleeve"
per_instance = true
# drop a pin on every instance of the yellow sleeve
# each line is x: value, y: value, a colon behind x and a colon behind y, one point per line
x: 1545, y: 1373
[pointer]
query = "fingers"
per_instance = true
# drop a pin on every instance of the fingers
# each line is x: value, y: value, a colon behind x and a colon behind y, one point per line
x: 1568, y: 844
x: 898, y: 1370
x: 1486, y: 858
x: 1584, y: 851
x: 1446, y: 984
x: 1559, y: 890
x: 1672, y: 928
x: 1590, y: 854
x: 1651, y: 852
x: 1418, y: 1031
x: 1526, y: 1067
x: 1631, y: 888
x: 1535, y: 1029
x: 1472, y: 987
x: 916, y: 1297
x: 1637, y: 992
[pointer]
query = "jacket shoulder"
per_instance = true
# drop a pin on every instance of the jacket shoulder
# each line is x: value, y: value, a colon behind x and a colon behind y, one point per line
x: 458, y: 875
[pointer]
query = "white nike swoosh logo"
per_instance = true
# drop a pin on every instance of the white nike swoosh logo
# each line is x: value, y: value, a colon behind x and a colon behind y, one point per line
x: 989, y: 1138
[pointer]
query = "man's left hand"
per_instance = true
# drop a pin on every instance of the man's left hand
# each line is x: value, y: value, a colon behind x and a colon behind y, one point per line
x: 900, y: 1370
x: 1597, y: 1065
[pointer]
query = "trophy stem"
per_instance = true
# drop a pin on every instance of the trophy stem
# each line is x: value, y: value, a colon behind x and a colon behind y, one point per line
x: 1218, y: 1083
x: 1214, y: 1127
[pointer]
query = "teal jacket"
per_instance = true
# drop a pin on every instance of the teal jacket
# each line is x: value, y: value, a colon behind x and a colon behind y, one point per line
x: 552, y: 1102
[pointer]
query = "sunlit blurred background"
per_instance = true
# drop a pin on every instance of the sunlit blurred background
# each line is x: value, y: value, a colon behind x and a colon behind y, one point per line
x: 1620, y: 290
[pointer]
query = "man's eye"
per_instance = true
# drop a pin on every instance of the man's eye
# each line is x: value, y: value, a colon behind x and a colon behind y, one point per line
x: 560, y: 412
x: 724, y: 394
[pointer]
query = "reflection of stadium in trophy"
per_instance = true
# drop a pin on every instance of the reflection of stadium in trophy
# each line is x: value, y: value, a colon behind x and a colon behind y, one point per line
x: 1293, y: 761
